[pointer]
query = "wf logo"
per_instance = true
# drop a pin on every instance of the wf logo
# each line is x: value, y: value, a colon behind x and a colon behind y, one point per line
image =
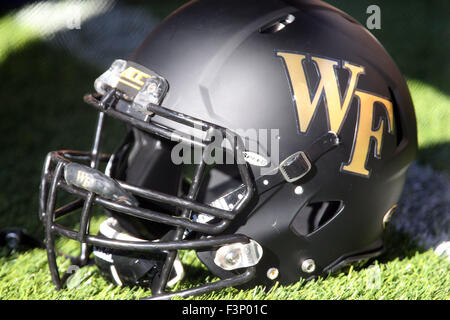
x: 306, y: 100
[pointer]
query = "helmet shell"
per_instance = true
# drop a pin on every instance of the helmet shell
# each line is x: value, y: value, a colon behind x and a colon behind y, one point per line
x: 222, y: 64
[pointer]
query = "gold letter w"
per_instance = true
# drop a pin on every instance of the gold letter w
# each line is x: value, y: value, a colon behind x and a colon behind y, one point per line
x: 328, y: 84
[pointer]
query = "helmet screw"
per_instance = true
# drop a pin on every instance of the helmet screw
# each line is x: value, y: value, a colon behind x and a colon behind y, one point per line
x: 308, y: 266
x: 298, y: 190
x: 232, y: 257
x: 151, y: 87
x: 272, y: 273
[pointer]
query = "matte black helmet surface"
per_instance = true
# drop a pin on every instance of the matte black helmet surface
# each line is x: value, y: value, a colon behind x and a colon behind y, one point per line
x: 272, y: 137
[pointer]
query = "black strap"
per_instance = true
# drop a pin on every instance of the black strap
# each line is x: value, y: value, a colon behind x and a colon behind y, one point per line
x: 291, y: 169
x: 322, y: 145
x: 298, y: 164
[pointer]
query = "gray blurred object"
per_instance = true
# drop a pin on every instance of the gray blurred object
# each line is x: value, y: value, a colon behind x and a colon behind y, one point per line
x: 90, y: 29
x: 96, y: 40
x: 424, y: 208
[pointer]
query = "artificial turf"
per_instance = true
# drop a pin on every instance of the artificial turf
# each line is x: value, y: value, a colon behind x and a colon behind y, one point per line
x: 42, y: 110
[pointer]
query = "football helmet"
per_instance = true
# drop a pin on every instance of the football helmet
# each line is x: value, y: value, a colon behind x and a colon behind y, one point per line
x: 272, y: 137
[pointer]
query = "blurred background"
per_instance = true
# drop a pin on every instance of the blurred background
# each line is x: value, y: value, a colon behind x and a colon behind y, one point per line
x: 52, y: 51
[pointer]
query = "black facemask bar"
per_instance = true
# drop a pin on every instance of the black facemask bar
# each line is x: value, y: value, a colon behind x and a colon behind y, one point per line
x: 52, y: 180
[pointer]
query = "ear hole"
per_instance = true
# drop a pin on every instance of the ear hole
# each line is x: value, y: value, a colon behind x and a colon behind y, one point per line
x: 314, y: 216
x: 277, y: 25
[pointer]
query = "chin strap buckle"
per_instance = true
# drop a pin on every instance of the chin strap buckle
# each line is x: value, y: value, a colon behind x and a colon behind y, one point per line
x: 295, y: 166
x: 299, y: 164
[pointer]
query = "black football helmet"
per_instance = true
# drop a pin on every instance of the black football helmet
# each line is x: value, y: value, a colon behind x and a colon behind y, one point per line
x: 272, y: 137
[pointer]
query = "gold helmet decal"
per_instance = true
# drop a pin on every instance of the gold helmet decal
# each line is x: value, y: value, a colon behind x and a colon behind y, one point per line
x: 306, y: 102
x: 133, y: 77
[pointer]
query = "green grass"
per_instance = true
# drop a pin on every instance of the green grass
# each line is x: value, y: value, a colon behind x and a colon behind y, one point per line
x: 421, y: 276
x: 13, y: 36
x: 42, y: 110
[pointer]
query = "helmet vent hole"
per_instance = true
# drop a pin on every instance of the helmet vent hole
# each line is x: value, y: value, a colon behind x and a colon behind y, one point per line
x: 277, y: 25
x: 314, y: 216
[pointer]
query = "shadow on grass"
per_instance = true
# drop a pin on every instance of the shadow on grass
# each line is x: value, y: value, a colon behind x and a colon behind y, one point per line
x: 415, y: 33
x: 398, y: 245
x: 42, y: 110
x: 436, y: 155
